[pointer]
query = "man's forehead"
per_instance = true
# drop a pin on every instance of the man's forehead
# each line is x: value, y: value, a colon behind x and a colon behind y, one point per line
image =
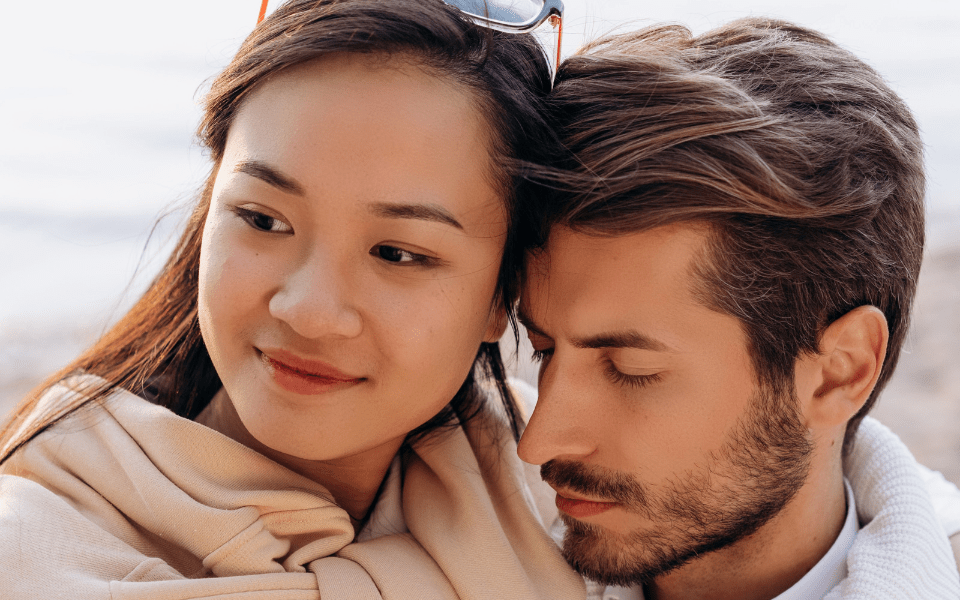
x: 582, y: 277
x: 569, y: 250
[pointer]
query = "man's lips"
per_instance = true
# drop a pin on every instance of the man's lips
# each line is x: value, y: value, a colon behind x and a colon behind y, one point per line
x: 581, y: 508
x: 304, y: 376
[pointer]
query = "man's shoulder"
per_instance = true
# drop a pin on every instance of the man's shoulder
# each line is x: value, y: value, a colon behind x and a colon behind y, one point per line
x: 901, y: 544
x: 883, y: 473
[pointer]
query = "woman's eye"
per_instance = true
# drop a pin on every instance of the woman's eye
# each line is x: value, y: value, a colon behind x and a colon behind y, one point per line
x: 396, y: 255
x: 262, y: 222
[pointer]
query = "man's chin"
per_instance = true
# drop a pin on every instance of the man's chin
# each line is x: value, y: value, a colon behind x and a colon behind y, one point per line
x: 611, y: 558
x: 641, y: 556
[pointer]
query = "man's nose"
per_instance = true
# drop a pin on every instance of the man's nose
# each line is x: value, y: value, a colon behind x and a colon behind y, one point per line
x: 315, y: 298
x: 561, y: 424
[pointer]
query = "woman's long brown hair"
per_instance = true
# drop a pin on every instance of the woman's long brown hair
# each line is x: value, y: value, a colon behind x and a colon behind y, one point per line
x: 156, y: 350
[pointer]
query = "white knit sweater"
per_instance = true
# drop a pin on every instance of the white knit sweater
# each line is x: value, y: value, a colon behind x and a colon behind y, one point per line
x: 901, y: 551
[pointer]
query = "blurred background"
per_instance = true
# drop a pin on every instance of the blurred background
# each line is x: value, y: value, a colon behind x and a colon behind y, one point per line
x: 99, y: 102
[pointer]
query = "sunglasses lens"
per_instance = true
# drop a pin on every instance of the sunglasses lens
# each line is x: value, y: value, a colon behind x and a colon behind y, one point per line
x: 514, y: 12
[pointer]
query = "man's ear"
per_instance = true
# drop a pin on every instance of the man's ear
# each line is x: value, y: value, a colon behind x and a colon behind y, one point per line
x: 852, y: 350
x: 496, y: 323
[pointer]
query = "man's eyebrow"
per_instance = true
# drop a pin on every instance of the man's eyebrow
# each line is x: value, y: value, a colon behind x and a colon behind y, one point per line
x: 423, y: 212
x: 621, y: 339
x: 618, y: 339
x: 270, y: 175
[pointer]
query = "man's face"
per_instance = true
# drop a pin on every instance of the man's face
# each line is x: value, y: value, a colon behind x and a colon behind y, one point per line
x: 650, y: 425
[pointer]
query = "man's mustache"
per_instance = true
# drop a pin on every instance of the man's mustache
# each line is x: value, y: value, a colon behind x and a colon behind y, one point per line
x: 596, y: 483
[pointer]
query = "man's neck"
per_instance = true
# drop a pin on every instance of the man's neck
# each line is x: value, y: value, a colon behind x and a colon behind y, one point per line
x: 770, y: 561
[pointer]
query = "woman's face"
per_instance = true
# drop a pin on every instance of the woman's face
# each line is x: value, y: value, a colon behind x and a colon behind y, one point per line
x: 350, y: 255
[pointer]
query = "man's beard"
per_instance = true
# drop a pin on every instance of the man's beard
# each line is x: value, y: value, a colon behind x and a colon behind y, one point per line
x: 742, y: 486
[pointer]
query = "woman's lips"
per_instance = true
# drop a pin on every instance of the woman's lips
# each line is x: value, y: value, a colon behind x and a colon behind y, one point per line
x: 303, y: 376
x: 581, y: 509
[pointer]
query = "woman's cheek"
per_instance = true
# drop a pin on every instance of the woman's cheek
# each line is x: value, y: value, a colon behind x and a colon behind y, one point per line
x: 212, y: 258
x: 404, y: 316
x: 234, y: 282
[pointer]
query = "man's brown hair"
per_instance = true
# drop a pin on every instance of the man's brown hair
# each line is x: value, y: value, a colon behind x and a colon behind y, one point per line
x: 806, y: 166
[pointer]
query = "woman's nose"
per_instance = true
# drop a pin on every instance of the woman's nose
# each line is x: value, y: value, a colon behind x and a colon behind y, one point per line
x: 314, y: 299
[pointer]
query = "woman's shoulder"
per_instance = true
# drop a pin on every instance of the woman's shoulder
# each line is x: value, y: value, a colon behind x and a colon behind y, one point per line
x: 97, y: 437
x: 42, y: 536
x: 79, y: 401
x: 126, y: 491
x: 54, y: 405
x: 50, y: 548
x: 49, y: 517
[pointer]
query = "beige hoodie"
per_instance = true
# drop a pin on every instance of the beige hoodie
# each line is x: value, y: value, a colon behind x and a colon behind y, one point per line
x: 125, y: 500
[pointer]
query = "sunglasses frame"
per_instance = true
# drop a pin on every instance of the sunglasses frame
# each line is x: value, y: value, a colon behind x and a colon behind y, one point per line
x: 552, y: 10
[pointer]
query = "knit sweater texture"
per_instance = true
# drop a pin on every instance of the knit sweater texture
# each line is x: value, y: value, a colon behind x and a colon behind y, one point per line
x: 901, y: 550
x: 124, y: 500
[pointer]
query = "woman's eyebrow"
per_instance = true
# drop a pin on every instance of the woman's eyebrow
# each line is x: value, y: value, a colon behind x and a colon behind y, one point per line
x: 423, y: 212
x: 390, y: 210
x: 270, y: 175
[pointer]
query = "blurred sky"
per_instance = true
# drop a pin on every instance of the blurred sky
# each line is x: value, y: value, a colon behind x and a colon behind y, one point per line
x: 99, y: 101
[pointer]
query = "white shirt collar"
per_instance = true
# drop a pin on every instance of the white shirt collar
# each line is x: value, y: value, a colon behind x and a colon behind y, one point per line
x: 824, y: 576
x: 832, y: 568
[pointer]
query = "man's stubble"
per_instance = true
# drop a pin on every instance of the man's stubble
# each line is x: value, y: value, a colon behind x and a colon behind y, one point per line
x: 743, y: 485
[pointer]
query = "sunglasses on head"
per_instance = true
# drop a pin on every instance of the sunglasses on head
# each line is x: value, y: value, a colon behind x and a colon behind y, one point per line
x: 541, y: 18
